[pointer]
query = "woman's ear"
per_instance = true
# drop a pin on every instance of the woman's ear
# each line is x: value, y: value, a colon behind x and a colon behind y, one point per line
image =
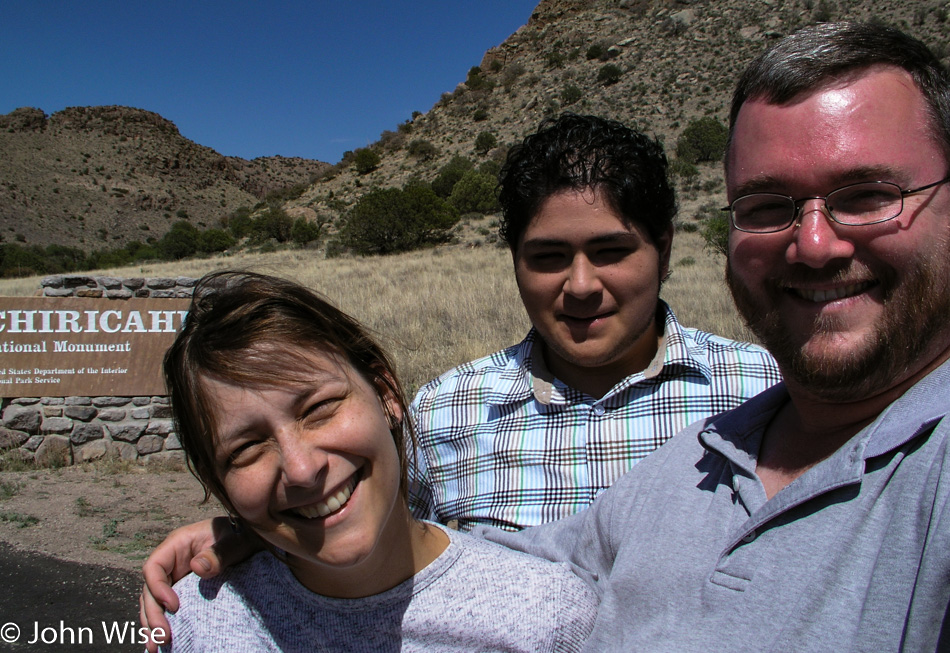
x: 386, y: 389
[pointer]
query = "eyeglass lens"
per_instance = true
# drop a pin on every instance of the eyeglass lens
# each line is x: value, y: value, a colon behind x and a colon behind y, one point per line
x: 855, y: 205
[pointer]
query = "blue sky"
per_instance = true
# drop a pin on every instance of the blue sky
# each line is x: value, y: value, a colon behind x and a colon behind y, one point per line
x: 295, y: 78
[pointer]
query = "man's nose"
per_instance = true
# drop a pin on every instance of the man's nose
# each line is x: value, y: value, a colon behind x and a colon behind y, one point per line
x: 582, y: 278
x: 816, y: 238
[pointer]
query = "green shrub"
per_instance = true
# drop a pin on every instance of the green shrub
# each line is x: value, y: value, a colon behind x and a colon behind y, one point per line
x: 683, y: 169
x: 422, y: 149
x: 389, y: 220
x: 181, y: 241
x: 61, y: 258
x: 687, y: 227
x: 609, y: 74
x: 20, y: 261
x: 449, y: 175
x: 825, y: 12
x: 335, y: 248
x: 476, y: 82
x: 714, y: 229
x: 272, y: 223
x: 303, y: 231
x: 484, y: 142
x: 365, y: 160
x: 555, y: 59
x: 571, y: 94
x: 286, y: 193
x: 138, y: 252
x: 239, y: 222
x: 391, y: 141
x: 703, y: 140
x: 490, y: 167
x: 475, y: 193
x: 596, y: 51
x: 215, y: 240
x: 511, y: 74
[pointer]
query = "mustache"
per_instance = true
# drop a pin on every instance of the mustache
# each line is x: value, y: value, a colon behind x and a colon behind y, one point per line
x: 846, y: 272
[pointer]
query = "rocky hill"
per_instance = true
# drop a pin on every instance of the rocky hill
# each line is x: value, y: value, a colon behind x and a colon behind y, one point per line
x: 677, y: 61
x: 94, y: 176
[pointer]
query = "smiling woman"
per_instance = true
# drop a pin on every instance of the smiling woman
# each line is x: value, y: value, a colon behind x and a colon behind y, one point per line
x: 293, y: 418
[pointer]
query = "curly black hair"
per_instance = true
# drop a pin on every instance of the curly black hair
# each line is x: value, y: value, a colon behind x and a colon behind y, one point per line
x: 574, y: 152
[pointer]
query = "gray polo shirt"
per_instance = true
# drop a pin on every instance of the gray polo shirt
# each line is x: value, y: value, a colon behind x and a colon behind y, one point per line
x: 854, y: 555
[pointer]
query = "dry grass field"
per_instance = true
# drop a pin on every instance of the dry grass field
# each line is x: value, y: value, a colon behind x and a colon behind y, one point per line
x: 437, y: 308
x: 432, y: 309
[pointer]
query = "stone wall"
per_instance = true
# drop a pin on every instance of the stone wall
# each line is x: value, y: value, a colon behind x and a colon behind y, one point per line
x: 58, y: 430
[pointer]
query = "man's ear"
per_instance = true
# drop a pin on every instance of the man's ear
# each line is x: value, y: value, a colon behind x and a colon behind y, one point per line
x: 664, y: 245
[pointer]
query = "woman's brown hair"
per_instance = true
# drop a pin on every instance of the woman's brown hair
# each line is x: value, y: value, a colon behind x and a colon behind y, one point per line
x: 248, y: 329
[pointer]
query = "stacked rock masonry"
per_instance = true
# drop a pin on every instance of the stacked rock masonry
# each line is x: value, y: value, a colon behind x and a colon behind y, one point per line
x: 66, y: 430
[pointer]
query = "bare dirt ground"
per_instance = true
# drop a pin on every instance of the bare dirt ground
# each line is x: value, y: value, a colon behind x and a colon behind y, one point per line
x: 107, y: 513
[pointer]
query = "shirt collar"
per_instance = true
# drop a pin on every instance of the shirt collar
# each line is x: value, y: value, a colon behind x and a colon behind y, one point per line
x: 527, y: 373
x: 737, y: 434
x: 916, y: 411
x: 542, y: 379
x: 673, y: 348
x: 681, y: 349
x: 513, y: 382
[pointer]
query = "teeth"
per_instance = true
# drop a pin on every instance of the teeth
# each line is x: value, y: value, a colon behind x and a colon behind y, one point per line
x: 835, y: 293
x: 332, y: 504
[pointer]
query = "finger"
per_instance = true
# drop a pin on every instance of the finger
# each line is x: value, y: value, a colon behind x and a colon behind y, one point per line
x: 227, y: 551
x: 158, y: 589
x: 170, y: 560
x: 152, y: 616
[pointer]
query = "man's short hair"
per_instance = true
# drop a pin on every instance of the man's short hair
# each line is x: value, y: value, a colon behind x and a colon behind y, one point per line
x: 815, y: 55
x: 580, y: 153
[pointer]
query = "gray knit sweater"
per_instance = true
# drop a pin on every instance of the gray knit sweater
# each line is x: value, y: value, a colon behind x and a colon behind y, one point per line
x: 476, y: 596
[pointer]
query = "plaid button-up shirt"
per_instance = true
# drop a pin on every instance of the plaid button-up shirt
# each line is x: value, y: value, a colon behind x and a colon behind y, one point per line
x: 503, y: 443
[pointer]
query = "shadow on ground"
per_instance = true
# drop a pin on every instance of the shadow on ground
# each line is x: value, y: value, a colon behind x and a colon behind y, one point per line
x: 61, y: 600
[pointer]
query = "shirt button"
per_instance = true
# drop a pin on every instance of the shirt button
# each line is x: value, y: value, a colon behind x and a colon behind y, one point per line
x: 599, y: 410
x: 748, y: 538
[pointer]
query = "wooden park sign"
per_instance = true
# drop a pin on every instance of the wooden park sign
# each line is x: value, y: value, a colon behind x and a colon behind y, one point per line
x: 74, y: 346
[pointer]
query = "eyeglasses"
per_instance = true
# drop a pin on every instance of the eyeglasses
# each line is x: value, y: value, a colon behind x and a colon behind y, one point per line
x: 860, y: 204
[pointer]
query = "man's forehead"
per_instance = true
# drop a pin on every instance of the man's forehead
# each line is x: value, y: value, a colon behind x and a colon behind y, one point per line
x: 567, y: 239
x: 833, y: 178
x: 848, y: 127
x: 834, y: 84
x: 569, y: 215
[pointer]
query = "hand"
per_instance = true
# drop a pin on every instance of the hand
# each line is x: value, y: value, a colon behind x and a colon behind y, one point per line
x: 206, y: 548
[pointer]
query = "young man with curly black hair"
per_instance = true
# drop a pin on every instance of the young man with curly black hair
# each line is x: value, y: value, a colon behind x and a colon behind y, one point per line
x: 535, y: 432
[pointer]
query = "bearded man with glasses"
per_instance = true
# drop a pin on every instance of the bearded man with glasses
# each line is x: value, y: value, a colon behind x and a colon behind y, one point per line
x: 816, y: 516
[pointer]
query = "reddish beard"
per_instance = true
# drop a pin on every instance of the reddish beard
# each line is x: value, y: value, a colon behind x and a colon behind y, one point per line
x: 915, y: 316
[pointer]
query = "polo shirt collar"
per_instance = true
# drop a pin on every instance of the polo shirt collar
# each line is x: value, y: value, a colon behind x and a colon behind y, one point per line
x: 917, y: 410
x: 737, y: 434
